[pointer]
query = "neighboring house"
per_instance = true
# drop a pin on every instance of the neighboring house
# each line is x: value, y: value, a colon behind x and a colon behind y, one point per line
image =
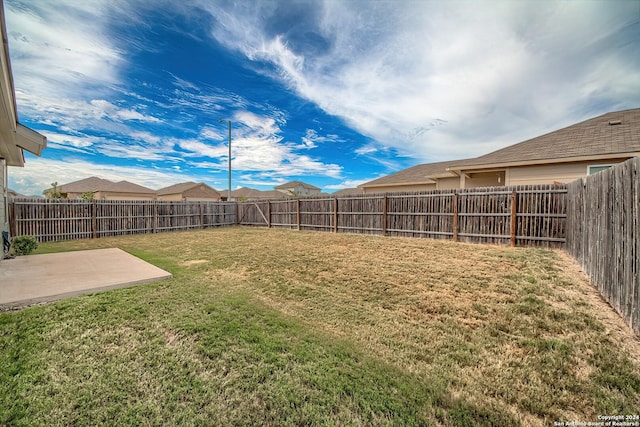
x: 273, y: 195
x: 190, y: 191
x: 347, y: 192
x: 245, y: 193
x: 103, y: 189
x: 557, y: 157
x: 14, y: 137
x: 298, y: 188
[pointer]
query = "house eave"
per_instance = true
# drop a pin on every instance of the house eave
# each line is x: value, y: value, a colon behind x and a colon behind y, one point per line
x: 457, y: 169
x: 14, y: 137
x: 30, y: 140
x: 426, y: 182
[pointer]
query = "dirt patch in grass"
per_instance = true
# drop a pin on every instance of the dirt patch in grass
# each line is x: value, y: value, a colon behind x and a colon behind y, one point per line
x: 283, y: 327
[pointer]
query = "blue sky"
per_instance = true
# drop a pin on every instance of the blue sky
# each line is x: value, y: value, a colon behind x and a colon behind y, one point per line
x: 331, y: 92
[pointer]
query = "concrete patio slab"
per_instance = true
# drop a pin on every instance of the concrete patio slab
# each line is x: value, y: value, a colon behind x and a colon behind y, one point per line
x: 31, y: 279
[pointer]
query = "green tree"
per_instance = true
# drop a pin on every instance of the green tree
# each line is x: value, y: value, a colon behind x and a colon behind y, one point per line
x: 87, y: 195
x: 53, y: 192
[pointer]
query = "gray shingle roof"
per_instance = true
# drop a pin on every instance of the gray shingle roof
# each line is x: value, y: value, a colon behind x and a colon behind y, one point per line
x: 177, y: 188
x: 293, y: 184
x: 593, y: 137
x: 414, y: 175
x: 253, y: 194
x: 348, y: 192
x: 245, y: 192
x: 99, y: 184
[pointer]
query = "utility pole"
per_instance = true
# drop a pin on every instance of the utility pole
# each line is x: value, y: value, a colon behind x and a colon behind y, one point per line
x: 229, y: 143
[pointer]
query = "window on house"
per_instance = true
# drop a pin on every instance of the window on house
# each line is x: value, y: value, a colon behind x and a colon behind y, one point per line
x: 596, y: 168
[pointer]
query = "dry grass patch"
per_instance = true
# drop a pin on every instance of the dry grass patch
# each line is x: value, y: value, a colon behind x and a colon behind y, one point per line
x: 302, y: 327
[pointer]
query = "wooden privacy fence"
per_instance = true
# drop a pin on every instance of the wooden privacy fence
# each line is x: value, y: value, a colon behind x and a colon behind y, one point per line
x: 61, y: 219
x: 527, y: 215
x: 604, y: 235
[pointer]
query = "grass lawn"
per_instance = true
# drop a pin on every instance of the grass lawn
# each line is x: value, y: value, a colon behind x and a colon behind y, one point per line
x: 278, y: 327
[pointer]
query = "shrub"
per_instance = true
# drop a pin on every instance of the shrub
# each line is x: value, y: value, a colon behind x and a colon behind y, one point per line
x: 24, y: 245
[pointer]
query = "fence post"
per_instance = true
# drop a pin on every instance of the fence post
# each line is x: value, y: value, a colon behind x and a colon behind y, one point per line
x: 154, y: 220
x: 269, y: 213
x: 335, y: 214
x: 384, y: 214
x: 94, y: 219
x: 201, y: 215
x: 13, y: 221
x: 455, y: 216
x: 514, y: 210
x: 237, y: 213
x: 298, y: 213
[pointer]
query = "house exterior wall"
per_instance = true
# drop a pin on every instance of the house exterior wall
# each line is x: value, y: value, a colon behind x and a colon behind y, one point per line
x: 299, y: 190
x: 202, y: 199
x: 170, y: 197
x: 100, y: 195
x: 548, y: 174
x: 4, y: 196
x: 448, y: 183
x: 400, y: 188
x: 485, y: 179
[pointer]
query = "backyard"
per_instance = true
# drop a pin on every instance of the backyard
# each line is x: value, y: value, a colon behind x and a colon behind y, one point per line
x: 277, y: 327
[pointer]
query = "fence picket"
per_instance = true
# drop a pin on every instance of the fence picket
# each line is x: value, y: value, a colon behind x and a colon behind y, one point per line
x: 603, y: 234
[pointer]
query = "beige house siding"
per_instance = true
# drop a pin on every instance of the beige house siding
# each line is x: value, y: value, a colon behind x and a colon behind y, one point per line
x: 448, y: 183
x: 299, y: 190
x: 170, y: 197
x: 100, y: 195
x: 106, y: 195
x: 483, y: 179
x: 399, y: 188
x: 549, y: 174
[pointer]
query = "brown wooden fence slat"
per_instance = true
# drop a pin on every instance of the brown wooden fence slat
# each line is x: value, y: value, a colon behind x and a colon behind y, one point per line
x: 603, y: 235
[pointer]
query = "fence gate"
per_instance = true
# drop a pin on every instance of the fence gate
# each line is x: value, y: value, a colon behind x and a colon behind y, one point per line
x: 255, y: 213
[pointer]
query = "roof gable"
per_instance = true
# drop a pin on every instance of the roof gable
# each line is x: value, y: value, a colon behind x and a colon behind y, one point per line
x: 177, y: 188
x: 294, y: 184
x: 245, y: 192
x: 98, y: 184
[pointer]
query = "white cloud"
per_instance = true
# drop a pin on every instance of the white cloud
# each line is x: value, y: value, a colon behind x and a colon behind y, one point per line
x: 39, y: 173
x: 258, y: 146
x: 312, y: 139
x: 69, y: 141
x: 62, y: 47
x: 105, y: 109
x: 496, y: 74
x: 195, y: 148
x: 348, y: 183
